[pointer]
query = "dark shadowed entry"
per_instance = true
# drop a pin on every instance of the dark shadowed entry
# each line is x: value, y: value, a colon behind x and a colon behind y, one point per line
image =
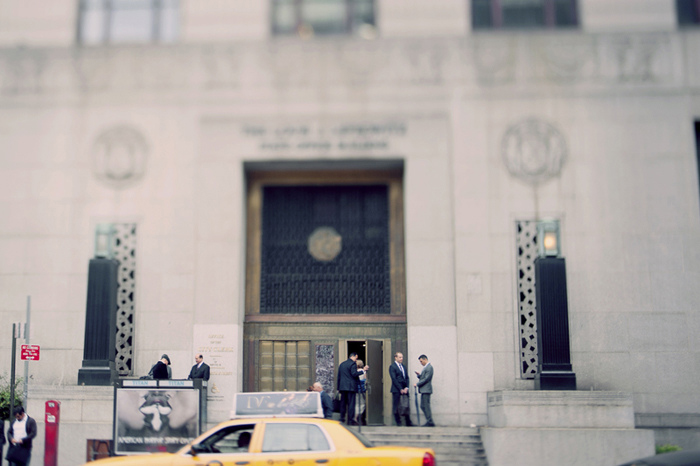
x: 325, y: 265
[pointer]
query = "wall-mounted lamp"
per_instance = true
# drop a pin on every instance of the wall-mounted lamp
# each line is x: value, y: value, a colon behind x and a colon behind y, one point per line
x: 548, y: 241
x: 104, y: 240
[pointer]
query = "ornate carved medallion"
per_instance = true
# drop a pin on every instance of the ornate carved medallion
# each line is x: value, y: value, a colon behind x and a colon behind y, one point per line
x: 119, y: 156
x: 533, y: 150
x: 325, y: 244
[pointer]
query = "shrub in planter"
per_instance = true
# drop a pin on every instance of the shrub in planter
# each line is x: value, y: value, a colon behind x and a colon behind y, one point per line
x: 5, y: 411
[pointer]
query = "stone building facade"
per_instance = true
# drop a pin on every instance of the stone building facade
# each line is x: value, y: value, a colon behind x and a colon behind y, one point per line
x: 456, y: 141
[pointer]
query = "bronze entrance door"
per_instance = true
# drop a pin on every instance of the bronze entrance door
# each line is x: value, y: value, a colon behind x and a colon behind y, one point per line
x: 325, y: 264
x: 375, y: 394
x: 371, y: 352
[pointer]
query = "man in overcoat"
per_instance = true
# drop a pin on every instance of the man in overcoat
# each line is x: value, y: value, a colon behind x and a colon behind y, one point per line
x: 347, y: 386
x: 399, y: 387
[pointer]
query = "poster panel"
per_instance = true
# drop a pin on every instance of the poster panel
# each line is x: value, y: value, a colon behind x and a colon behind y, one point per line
x: 154, y: 420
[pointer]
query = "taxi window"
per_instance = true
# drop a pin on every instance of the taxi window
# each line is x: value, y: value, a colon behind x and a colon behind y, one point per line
x: 233, y: 439
x: 294, y: 437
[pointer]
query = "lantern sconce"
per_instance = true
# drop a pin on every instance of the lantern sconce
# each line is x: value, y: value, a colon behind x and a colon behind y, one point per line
x: 548, y: 238
x: 104, y: 240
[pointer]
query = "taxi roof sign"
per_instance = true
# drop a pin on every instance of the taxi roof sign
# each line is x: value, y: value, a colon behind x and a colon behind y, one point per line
x: 277, y: 404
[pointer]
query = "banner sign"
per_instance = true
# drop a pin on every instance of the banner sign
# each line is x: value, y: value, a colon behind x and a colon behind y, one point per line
x: 139, y: 383
x: 154, y: 420
x: 175, y: 383
x: 280, y: 404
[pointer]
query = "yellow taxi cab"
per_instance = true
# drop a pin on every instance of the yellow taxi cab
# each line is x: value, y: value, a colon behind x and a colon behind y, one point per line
x: 280, y: 428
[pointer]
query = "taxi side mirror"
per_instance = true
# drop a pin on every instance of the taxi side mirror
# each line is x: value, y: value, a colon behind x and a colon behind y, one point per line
x: 195, y: 449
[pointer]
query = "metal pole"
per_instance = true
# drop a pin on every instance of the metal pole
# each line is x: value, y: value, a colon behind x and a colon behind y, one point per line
x: 415, y: 395
x: 26, y: 338
x: 12, y: 371
x: 359, y: 414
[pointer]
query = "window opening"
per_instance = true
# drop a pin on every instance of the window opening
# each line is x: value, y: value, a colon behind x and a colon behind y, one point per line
x: 128, y: 21
x: 307, y: 18
x: 523, y: 14
x: 688, y: 12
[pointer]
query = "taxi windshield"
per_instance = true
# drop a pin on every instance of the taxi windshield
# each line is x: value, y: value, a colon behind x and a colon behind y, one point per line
x: 364, y: 440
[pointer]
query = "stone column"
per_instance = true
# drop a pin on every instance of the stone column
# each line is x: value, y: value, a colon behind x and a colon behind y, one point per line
x: 100, y: 323
x: 555, y: 371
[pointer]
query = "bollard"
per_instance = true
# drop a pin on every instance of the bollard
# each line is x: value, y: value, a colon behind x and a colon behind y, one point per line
x: 51, y: 421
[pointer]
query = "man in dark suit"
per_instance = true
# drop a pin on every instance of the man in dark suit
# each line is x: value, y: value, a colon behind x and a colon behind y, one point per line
x: 399, y: 387
x: 326, y: 401
x: 425, y: 387
x: 20, y: 434
x: 348, y: 377
x: 200, y: 370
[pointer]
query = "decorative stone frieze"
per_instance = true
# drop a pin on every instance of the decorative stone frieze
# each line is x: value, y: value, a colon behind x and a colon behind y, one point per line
x: 482, y: 60
x: 570, y: 59
x: 640, y: 58
x: 495, y: 60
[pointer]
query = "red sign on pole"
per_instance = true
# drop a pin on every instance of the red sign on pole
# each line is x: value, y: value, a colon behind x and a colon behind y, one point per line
x: 30, y: 352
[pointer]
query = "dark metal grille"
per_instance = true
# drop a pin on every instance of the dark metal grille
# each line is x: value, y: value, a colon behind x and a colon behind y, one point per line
x: 356, y: 281
x: 526, y: 243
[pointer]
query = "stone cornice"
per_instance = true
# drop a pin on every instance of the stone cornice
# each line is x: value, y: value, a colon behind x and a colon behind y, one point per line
x: 548, y: 62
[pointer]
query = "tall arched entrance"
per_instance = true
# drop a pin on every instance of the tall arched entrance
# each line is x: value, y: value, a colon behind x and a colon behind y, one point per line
x: 324, y: 275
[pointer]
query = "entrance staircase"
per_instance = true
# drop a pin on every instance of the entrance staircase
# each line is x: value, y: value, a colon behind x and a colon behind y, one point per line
x: 453, y: 446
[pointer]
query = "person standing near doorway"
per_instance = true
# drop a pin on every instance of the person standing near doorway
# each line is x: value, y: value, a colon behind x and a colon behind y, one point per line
x: 348, y: 377
x: 200, y: 370
x: 399, y: 388
x: 425, y: 387
x: 326, y: 402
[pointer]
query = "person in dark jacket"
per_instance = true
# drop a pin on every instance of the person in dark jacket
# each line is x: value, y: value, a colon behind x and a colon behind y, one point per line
x: 20, y: 434
x: 348, y: 377
x: 160, y: 370
x: 326, y: 401
x: 200, y: 370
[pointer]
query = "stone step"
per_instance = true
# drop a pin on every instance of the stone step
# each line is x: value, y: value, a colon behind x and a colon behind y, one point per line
x: 437, y: 443
x: 457, y: 456
x: 420, y: 432
x: 453, y: 446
